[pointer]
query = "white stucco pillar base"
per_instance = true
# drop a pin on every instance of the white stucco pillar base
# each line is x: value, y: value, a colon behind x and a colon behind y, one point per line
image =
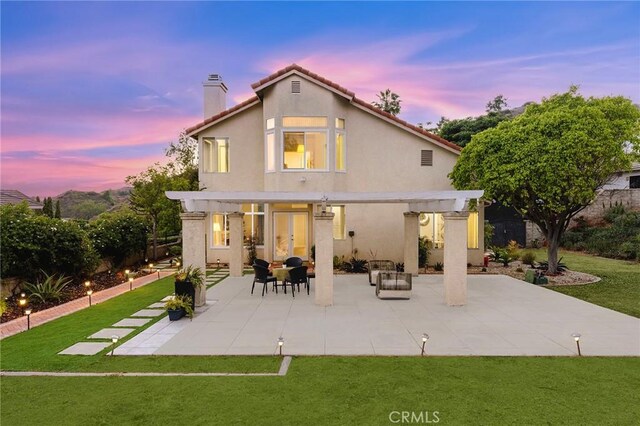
x: 455, y: 258
x: 411, y: 234
x: 194, y: 247
x: 236, y: 240
x: 323, y: 238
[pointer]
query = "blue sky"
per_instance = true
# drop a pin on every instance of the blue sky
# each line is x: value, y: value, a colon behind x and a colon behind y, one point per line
x: 92, y: 92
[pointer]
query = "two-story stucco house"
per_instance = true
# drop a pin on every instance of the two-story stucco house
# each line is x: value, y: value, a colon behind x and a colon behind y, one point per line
x: 303, y: 141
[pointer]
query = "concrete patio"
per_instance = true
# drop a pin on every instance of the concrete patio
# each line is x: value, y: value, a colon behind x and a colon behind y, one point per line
x: 504, y: 316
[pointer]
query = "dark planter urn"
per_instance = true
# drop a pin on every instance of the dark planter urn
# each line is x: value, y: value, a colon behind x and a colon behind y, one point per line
x: 185, y: 288
x: 176, y: 314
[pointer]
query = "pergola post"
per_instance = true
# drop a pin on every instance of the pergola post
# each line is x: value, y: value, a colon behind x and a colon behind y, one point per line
x: 194, y: 248
x: 236, y: 240
x: 455, y: 258
x: 411, y: 234
x: 323, y: 238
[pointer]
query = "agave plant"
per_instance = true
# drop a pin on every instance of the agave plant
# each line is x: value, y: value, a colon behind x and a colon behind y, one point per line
x: 50, y: 288
x: 193, y: 274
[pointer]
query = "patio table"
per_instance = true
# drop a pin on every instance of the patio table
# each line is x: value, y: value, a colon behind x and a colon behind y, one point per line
x: 281, y: 273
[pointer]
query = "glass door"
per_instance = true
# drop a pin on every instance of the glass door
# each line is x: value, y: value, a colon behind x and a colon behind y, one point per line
x: 290, y: 235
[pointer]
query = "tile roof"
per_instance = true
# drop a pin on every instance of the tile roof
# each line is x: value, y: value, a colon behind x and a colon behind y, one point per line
x: 12, y: 196
x: 295, y: 67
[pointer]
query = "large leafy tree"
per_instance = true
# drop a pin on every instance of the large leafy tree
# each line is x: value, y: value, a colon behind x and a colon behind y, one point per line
x: 549, y: 162
x: 148, y: 196
x: 388, y: 101
x: 184, y: 159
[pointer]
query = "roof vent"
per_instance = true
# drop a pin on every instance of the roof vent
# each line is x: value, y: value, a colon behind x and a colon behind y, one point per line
x: 295, y: 86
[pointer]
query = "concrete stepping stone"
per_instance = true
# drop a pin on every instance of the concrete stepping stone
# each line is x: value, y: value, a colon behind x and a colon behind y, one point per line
x: 106, y: 333
x: 85, y: 348
x: 156, y: 305
x: 148, y: 313
x: 132, y: 322
x: 164, y: 299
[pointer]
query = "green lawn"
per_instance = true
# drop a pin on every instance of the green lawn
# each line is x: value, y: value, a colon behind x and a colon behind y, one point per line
x: 341, y: 391
x: 620, y: 286
x: 317, y: 390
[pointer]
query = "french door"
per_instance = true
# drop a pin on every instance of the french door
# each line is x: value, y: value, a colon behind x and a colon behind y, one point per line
x: 290, y: 235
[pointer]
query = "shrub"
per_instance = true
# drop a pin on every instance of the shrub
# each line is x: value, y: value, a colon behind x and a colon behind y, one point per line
x: 33, y: 242
x: 513, y: 249
x: 181, y: 301
x: 439, y: 266
x: 423, y: 251
x: 337, y: 262
x: 118, y: 235
x: 544, y: 266
x: 355, y: 265
x: 49, y: 289
x: 175, y: 250
x: 489, y: 229
x: 501, y: 255
x: 252, y: 252
x: 528, y: 258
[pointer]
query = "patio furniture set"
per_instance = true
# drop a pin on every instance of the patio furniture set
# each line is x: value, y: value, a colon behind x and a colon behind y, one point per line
x: 292, y: 273
x: 390, y: 283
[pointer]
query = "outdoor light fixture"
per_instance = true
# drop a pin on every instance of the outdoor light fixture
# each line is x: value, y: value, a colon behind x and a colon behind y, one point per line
x: 280, y: 344
x: 218, y: 263
x: 87, y: 283
x: 130, y: 283
x: 177, y: 263
x: 89, y: 293
x: 126, y: 271
x: 151, y: 267
x: 114, y: 340
x: 576, y: 337
x: 27, y: 312
x: 425, y: 337
x: 23, y: 300
x: 158, y: 269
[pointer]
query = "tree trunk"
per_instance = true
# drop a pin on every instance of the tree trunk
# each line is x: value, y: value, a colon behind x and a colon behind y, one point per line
x: 155, y: 239
x: 553, y: 239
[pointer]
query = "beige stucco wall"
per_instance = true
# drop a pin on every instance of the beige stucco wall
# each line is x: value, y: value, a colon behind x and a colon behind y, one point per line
x: 380, y: 157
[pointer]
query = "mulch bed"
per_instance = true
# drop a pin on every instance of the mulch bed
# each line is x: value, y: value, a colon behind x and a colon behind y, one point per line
x: 75, y: 290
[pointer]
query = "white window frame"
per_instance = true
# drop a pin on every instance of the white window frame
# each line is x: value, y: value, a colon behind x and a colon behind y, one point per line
x: 214, y: 142
x: 253, y: 213
x: 335, y: 149
x: 344, y: 222
x: 304, y: 130
x: 225, y: 225
x: 275, y: 152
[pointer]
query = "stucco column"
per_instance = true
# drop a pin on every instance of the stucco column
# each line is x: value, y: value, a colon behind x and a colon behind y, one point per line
x: 194, y: 247
x: 323, y: 237
x: 455, y: 258
x: 411, y: 234
x: 236, y: 244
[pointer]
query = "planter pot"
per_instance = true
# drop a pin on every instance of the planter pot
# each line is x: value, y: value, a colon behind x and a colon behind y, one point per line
x: 176, y: 314
x: 185, y: 288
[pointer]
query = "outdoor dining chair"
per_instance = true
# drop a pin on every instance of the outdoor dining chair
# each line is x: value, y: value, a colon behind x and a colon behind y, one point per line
x: 293, y: 262
x: 262, y: 276
x: 297, y: 276
x: 261, y: 262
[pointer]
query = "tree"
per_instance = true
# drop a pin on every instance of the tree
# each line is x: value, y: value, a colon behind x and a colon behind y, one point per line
x: 148, y: 196
x: 388, y: 101
x: 47, y: 208
x: 549, y: 162
x: 184, y: 159
x: 57, y: 214
x: 498, y: 104
x: 118, y: 235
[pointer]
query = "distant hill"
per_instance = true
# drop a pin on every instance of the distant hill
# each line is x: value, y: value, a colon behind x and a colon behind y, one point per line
x: 87, y: 205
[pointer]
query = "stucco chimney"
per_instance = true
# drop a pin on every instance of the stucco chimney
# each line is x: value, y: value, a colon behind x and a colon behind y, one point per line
x: 215, y: 95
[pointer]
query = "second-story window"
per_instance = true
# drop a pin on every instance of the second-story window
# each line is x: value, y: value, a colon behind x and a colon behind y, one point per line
x: 304, y: 143
x: 215, y: 153
x: 341, y: 147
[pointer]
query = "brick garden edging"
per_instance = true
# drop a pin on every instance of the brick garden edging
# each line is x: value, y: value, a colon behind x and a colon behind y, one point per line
x: 18, y: 325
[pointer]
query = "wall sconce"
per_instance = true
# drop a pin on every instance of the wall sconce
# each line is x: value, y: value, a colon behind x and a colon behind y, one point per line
x: 425, y: 337
x: 280, y: 344
x: 89, y: 293
x: 576, y: 337
x: 27, y: 312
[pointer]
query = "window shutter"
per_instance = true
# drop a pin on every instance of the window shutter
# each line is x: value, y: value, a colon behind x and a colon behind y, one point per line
x: 295, y: 86
x: 426, y: 157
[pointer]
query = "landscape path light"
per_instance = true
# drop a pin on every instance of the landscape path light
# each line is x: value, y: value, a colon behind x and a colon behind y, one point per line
x: 425, y: 337
x: 89, y: 293
x: 27, y: 312
x: 114, y: 340
x: 576, y: 337
x: 87, y: 283
x: 130, y: 283
x: 23, y: 300
x: 280, y: 344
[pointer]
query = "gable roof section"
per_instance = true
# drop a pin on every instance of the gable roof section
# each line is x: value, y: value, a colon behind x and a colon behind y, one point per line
x: 13, y: 196
x: 259, y: 86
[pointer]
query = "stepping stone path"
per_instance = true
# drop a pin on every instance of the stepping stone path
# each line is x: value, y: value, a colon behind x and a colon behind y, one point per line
x: 132, y: 322
x: 158, y: 331
x: 85, y: 348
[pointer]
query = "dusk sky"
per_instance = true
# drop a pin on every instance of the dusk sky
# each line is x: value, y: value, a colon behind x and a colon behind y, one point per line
x: 93, y: 92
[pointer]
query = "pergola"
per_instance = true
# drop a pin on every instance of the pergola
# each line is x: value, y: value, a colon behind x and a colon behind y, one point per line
x: 452, y: 204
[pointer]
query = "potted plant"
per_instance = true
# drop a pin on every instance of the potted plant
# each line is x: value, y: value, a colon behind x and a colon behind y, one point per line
x: 179, y: 306
x: 188, y: 281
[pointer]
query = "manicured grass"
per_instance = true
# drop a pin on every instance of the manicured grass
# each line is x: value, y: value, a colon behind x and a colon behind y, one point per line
x: 339, y: 391
x: 620, y: 286
x: 37, y: 349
